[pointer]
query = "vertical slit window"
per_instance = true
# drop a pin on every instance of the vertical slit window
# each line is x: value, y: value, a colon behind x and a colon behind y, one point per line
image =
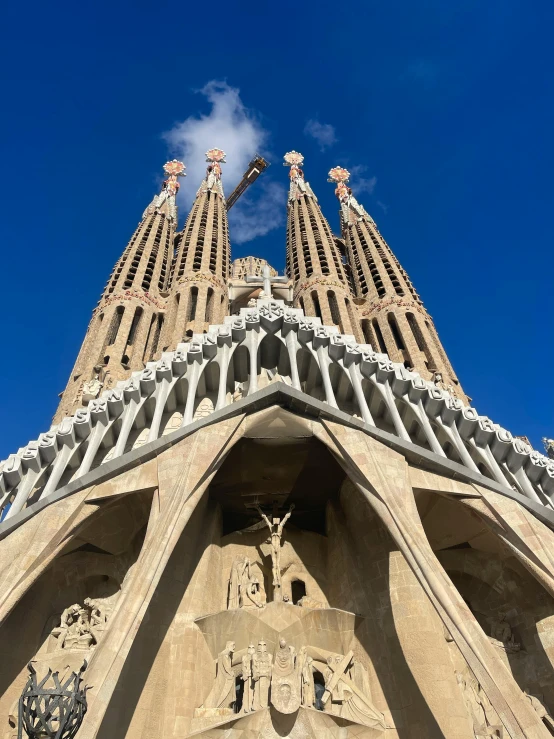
x: 379, y: 335
x: 116, y: 323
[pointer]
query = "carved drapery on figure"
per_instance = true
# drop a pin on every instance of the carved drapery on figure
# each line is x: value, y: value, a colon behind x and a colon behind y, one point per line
x: 285, y: 682
x: 222, y: 695
x: 347, y: 692
x: 261, y: 675
x: 247, y: 678
x: 306, y: 671
x: 484, y: 719
x: 276, y: 526
x: 245, y: 589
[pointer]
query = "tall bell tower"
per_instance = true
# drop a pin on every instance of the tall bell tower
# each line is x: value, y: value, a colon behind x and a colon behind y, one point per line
x: 392, y: 317
x: 200, y: 270
x: 124, y: 331
x: 314, y: 261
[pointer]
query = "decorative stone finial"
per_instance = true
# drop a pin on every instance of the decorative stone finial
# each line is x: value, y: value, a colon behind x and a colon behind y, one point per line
x: 338, y: 174
x: 173, y: 169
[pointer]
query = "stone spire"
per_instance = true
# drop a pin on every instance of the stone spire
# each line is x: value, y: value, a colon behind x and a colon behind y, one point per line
x: 392, y: 316
x: 200, y: 269
x: 314, y: 260
x: 124, y: 330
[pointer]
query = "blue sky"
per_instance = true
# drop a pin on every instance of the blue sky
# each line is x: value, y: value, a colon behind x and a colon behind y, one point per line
x: 444, y: 110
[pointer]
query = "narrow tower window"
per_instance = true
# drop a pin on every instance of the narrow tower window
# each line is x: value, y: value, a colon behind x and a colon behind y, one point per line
x: 192, y: 304
x: 209, y: 305
x: 115, y: 324
x: 334, y: 308
x: 317, y: 308
x: 396, y: 332
x: 379, y: 335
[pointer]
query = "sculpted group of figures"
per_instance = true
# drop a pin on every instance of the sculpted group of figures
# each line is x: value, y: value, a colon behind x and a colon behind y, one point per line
x: 81, y: 626
x: 286, y: 680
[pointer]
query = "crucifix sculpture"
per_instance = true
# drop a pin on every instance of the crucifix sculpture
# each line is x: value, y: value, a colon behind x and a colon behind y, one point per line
x: 276, y: 526
x: 266, y: 281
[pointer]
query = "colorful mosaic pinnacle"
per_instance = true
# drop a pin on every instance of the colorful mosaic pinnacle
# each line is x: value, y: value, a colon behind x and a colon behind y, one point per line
x: 293, y: 159
x: 215, y: 155
x: 175, y: 168
x: 338, y: 174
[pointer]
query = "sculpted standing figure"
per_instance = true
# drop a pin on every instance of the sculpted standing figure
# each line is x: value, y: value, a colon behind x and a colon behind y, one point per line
x: 276, y: 530
x: 222, y: 695
x: 306, y: 678
x: 247, y: 668
x: 261, y: 675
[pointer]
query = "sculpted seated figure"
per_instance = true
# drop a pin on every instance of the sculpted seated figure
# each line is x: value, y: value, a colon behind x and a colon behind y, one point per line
x: 81, y: 627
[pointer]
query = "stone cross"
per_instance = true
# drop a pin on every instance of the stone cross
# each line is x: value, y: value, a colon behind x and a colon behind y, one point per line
x: 266, y: 280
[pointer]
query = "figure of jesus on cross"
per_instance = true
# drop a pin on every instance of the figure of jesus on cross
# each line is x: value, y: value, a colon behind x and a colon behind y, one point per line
x: 266, y: 281
x: 276, y: 527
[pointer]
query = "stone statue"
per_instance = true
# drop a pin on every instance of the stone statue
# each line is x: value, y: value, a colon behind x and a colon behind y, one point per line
x: 285, y: 679
x: 261, y: 676
x: 483, y: 717
x: 540, y: 710
x: 501, y: 631
x: 97, y: 616
x: 347, y: 692
x: 307, y: 602
x: 245, y: 590
x: 78, y: 634
x: 251, y: 303
x: 91, y: 389
x: 247, y: 667
x: 307, y: 687
x: 222, y: 695
x: 237, y: 570
x: 276, y: 529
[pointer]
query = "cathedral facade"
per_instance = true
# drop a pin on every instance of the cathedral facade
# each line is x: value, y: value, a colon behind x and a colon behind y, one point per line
x: 267, y: 508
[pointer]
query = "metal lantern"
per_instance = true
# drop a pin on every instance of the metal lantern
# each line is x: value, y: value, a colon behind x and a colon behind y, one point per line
x: 50, y: 709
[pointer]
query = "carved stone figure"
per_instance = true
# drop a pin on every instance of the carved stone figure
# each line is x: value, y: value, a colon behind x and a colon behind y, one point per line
x: 91, y: 389
x: 285, y: 679
x: 248, y: 694
x: 501, y: 631
x: 307, y: 687
x: 78, y: 634
x: 276, y: 527
x: 245, y: 590
x: 234, y: 582
x: 222, y: 695
x: 97, y: 616
x: 540, y: 710
x: 347, y: 692
x: 261, y: 676
x: 483, y: 717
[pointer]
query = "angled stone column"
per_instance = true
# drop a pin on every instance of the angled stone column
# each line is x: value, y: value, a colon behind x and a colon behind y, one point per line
x: 382, y: 477
x: 185, y: 472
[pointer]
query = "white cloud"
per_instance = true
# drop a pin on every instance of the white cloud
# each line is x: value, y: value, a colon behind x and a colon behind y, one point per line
x: 323, y: 133
x: 359, y: 182
x: 231, y: 126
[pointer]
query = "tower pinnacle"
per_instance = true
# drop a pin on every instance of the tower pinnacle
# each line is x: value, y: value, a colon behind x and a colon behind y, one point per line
x: 392, y: 316
x: 314, y: 259
x: 200, y: 270
x: 124, y: 331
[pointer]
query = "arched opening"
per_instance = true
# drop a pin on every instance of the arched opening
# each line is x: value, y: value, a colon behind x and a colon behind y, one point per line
x: 396, y: 333
x: 209, y: 306
x: 334, y: 308
x: 298, y: 590
x: 192, y: 304
x: 317, y: 307
x: 115, y: 324
x: 379, y: 335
